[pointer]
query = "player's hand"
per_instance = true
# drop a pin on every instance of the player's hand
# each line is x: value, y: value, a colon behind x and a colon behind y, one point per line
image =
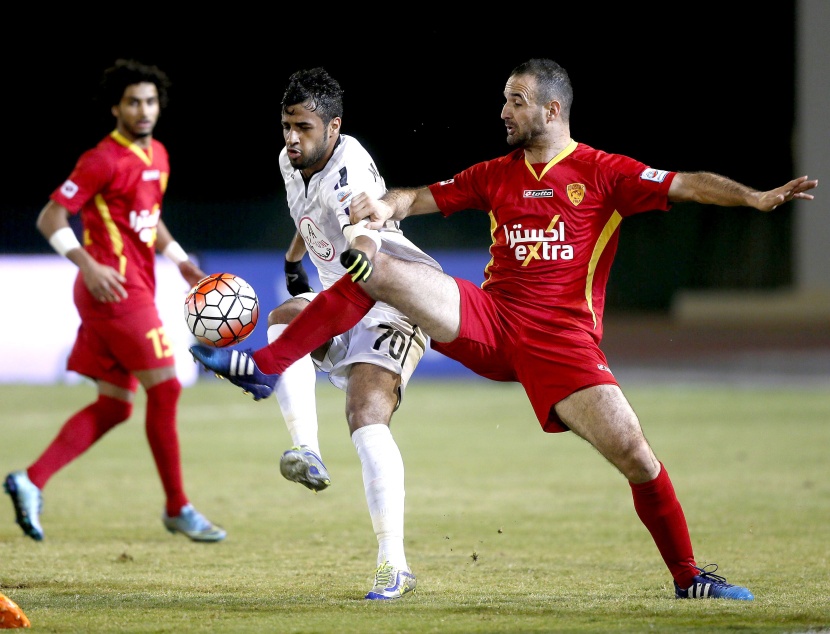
x: 357, y: 264
x: 191, y: 273
x: 375, y: 211
x: 795, y: 189
x: 296, y: 279
x: 103, y: 282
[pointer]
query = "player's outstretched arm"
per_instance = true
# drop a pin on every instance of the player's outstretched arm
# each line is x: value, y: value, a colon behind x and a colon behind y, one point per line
x: 796, y: 189
x: 712, y: 189
x: 396, y: 204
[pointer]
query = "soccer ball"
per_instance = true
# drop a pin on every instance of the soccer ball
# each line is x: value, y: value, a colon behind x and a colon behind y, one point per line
x: 221, y: 310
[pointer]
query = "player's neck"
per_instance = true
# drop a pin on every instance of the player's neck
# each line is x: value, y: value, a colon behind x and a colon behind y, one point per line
x: 544, y: 148
x: 143, y: 142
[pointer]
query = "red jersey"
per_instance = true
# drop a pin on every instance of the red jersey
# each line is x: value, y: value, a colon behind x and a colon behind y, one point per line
x: 117, y: 187
x: 555, y: 227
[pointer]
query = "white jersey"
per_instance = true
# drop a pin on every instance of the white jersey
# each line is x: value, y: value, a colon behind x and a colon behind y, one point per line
x: 384, y: 337
x: 321, y: 209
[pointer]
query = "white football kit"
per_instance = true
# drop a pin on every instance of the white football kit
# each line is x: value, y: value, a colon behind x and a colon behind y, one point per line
x: 320, y: 210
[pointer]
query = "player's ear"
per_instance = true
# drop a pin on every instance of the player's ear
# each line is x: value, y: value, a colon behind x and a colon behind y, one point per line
x: 334, y: 125
x: 553, y: 109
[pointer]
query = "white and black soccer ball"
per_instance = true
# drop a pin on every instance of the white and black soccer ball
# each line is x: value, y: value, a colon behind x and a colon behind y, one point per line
x: 221, y: 310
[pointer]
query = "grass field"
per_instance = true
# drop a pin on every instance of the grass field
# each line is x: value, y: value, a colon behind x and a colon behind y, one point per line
x: 508, y: 529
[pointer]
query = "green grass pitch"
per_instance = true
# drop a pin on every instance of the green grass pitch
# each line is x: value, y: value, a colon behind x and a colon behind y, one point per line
x: 508, y: 529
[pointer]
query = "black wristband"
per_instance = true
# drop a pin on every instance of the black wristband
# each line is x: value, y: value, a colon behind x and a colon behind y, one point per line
x: 293, y: 267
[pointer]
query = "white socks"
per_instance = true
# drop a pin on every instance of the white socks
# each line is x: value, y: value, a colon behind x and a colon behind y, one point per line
x: 296, y: 397
x: 384, y: 484
x: 380, y: 458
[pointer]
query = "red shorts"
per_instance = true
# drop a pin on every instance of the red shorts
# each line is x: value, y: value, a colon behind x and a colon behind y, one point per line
x: 500, y: 341
x: 113, y: 349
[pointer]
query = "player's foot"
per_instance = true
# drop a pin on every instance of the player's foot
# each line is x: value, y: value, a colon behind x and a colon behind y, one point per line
x: 301, y: 464
x: 28, y: 503
x: 708, y: 585
x: 193, y: 524
x: 238, y: 367
x: 391, y: 582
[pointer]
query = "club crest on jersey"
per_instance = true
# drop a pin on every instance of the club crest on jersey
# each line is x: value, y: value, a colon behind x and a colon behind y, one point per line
x: 315, y: 240
x: 538, y: 193
x: 651, y: 174
x: 576, y: 192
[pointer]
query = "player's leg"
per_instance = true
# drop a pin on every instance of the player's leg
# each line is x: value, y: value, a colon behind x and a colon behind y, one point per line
x: 83, y: 429
x: 163, y: 390
x: 373, y: 362
x: 429, y: 296
x: 141, y: 345
x: 332, y: 312
x: 603, y: 416
x: 296, y: 397
x: 371, y: 398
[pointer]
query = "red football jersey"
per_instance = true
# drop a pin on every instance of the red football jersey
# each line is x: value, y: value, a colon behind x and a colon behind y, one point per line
x: 117, y: 187
x: 555, y: 227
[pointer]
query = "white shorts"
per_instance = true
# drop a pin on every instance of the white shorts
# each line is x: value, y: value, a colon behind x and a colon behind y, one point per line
x: 384, y: 337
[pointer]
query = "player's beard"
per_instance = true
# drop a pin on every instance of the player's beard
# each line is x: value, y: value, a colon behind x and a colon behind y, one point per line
x: 316, y: 155
x: 524, y: 138
x: 140, y: 133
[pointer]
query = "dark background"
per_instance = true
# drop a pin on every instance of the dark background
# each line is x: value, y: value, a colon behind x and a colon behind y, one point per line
x: 699, y: 87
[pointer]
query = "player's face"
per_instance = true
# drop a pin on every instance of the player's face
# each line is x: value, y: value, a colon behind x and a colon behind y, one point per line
x: 308, y: 141
x: 523, y: 117
x: 138, y: 111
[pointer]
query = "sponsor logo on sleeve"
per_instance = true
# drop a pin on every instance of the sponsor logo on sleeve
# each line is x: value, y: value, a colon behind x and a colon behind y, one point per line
x: 69, y: 189
x: 447, y: 182
x: 651, y: 174
x: 343, y: 194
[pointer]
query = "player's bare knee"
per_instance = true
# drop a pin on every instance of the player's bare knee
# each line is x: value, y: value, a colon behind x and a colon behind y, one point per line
x: 371, y: 396
x: 287, y: 311
x: 635, y: 460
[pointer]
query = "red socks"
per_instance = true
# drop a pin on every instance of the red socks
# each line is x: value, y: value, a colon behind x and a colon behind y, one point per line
x: 659, y: 509
x: 77, y: 435
x: 331, y: 313
x: 162, y: 403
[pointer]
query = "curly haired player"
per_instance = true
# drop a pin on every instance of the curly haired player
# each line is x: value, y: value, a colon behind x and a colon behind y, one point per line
x: 117, y: 188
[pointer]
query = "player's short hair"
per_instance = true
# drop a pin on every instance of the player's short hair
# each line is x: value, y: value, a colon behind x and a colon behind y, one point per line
x: 126, y: 72
x: 318, y: 90
x: 552, y: 82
